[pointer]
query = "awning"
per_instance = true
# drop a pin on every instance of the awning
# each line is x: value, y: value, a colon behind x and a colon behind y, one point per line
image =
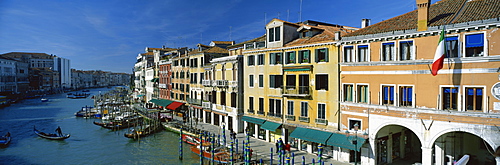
x: 253, y: 120
x: 154, y: 80
x: 175, y: 105
x: 140, y: 95
x: 161, y: 102
x: 343, y: 141
x: 311, y: 135
x: 271, y: 126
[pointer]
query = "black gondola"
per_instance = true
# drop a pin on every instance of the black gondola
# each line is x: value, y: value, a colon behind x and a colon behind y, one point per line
x: 51, y: 136
x: 5, y: 140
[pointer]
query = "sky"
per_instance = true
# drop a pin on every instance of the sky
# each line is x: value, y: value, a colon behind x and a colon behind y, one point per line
x: 109, y: 34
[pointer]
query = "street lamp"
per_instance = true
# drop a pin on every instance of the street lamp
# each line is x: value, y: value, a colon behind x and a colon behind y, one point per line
x: 354, y: 141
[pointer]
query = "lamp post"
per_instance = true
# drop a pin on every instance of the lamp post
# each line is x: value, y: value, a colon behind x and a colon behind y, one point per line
x: 354, y: 141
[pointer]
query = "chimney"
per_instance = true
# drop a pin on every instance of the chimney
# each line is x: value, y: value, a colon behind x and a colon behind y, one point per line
x: 423, y: 14
x: 365, y: 22
x: 337, y: 36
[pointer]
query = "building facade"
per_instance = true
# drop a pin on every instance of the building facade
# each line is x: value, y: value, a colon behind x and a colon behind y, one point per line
x: 389, y: 95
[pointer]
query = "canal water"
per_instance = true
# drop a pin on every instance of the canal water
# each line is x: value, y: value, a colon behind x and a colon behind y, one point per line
x: 88, y: 144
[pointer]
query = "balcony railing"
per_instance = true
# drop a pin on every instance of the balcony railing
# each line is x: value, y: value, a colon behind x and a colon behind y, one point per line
x: 194, y: 101
x: 233, y: 83
x: 162, y: 85
x: 297, y: 91
x: 290, y: 117
x: 221, y: 83
x: 206, y: 105
x: 251, y: 111
x: 304, y: 119
x: 321, y: 121
x: 207, y: 83
x: 260, y: 112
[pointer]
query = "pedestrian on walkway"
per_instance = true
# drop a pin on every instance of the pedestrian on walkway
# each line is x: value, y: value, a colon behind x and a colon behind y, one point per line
x: 277, y: 146
x: 233, y: 135
x: 287, y: 148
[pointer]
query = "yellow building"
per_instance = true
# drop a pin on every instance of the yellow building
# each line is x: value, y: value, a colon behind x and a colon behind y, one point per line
x: 389, y: 95
x: 291, y: 85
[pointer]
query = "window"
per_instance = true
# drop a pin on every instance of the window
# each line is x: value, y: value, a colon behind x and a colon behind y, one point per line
x: 304, y: 56
x: 354, y: 124
x: 223, y: 98
x: 362, y: 93
x: 274, y: 34
x: 303, y: 109
x: 474, y: 45
x: 450, y: 98
x: 278, y: 108
x: 303, y: 84
x: 290, y: 57
x: 275, y: 58
x: 290, y: 81
x: 405, y: 96
x: 387, y: 95
x: 250, y: 78
x: 387, y: 52
x: 322, y: 82
x: 275, y: 81
x: 261, y: 105
x: 406, y: 50
x: 260, y: 59
x: 322, y: 55
x: 250, y: 103
x: 348, y: 92
x: 261, y: 81
x: 251, y: 60
x: 474, y: 99
x: 290, y: 108
x: 321, y: 111
x: 362, y: 53
x: 348, y: 53
x: 451, y: 44
x: 271, y: 107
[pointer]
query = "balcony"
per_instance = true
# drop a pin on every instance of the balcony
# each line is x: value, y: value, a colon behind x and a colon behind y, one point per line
x: 290, y: 117
x: 321, y: 121
x: 194, y: 101
x: 162, y: 85
x: 298, y: 91
x: 207, y: 83
x: 304, y: 119
x: 221, y: 83
x: 206, y: 105
x: 233, y: 83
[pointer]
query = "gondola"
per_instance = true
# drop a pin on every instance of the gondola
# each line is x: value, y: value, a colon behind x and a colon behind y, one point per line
x: 50, y: 136
x: 142, y: 132
x: 5, y: 140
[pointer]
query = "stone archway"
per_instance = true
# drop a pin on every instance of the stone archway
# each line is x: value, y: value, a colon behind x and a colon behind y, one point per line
x: 396, y: 144
x: 453, y: 145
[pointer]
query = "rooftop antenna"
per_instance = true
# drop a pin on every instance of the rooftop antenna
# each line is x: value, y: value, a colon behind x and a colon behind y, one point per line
x: 300, y: 11
x: 230, y: 28
x: 287, y: 14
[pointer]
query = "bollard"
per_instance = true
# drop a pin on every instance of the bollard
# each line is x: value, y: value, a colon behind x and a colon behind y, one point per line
x: 180, y: 145
x: 271, y: 156
x: 303, y: 160
x: 293, y: 158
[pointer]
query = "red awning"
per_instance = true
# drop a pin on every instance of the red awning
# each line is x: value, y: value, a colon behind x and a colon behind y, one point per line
x: 174, y: 105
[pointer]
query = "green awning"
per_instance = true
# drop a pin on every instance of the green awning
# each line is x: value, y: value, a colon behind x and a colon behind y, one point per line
x: 253, y: 120
x: 343, y: 141
x: 154, y: 80
x: 298, y: 69
x: 311, y: 135
x: 271, y: 126
x: 161, y: 102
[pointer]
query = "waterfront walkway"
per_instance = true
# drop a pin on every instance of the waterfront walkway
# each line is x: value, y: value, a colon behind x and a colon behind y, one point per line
x: 261, y: 149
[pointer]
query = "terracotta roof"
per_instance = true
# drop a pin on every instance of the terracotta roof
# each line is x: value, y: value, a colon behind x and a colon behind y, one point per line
x: 440, y: 13
x: 33, y: 55
x: 223, y: 42
x: 210, y: 49
x: 327, y: 34
x: 258, y: 39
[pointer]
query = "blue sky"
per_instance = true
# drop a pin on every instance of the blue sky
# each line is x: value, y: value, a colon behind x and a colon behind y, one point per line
x: 109, y: 34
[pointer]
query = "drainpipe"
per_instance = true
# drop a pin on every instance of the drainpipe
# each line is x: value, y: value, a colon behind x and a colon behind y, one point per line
x: 339, y: 123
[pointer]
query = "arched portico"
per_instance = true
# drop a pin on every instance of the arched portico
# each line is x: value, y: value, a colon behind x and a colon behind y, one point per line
x: 396, y: 143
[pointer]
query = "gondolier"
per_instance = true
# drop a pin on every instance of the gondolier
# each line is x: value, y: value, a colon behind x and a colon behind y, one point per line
x: 58, y: 130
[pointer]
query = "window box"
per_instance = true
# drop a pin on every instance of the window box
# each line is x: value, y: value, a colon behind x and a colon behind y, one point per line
x: 290, y: 117
x: 304, y: 119
x: 321, y: 121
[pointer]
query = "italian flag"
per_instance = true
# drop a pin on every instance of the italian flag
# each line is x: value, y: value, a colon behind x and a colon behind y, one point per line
x: 437, y: 64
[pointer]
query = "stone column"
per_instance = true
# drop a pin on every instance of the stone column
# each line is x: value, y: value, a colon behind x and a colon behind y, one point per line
x: 389, y: 149
x: 426, y: 156
x: 439, y: 153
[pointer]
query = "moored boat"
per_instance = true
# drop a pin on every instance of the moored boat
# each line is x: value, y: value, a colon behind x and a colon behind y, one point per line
x: 5, y: 140
x: 221, y: 154
x: 142, y: 132
x: 50, y: 136
x: 44, y: 99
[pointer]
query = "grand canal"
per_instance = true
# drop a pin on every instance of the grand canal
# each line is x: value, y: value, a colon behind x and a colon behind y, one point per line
x: 88, y: 144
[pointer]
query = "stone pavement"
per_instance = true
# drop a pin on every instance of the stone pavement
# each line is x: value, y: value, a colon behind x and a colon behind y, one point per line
x: 261, y: 149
